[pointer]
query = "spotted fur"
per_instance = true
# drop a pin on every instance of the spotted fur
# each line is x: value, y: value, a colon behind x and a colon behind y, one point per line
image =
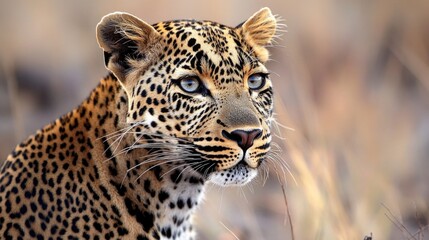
x: 131, y: 161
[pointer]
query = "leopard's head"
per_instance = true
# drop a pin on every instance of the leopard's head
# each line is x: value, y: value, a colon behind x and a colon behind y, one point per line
x: 199, y: 86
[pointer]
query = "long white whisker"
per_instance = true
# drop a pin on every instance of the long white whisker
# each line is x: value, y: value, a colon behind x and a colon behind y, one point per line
x: 118, y: 140
x: 115, y: 132
x: 206, y: 171
x: 184, y: 164
x: 163, y: 162
x: 244, y: 195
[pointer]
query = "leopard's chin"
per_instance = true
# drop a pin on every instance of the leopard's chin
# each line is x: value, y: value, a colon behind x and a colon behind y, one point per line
x: 238, y: 175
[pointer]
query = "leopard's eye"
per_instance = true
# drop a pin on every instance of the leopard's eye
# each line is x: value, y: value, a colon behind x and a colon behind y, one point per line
x: 256, y: 81
x: 190, y: 84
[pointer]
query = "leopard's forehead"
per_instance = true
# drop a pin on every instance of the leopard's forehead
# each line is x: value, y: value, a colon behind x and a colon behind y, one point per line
x: 180, y: 29
x: 211, y: 48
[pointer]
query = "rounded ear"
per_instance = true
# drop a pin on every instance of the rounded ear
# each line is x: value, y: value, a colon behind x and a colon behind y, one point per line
x: 258, y: 31
x: 125, y: 38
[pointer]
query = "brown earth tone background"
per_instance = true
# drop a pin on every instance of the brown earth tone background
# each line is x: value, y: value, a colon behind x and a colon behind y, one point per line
x: 351, y: 79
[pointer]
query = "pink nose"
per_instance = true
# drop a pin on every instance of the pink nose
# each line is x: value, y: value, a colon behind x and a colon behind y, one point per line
x: 243, y: 138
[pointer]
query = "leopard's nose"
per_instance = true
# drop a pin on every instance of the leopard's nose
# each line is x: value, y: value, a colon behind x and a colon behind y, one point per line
x: 244, y: 138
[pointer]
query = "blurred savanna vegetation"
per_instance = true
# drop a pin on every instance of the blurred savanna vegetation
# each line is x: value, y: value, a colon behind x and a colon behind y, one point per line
x: 352, y: 104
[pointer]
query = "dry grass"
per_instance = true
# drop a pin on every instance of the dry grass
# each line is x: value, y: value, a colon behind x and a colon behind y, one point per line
x: 351, y: 78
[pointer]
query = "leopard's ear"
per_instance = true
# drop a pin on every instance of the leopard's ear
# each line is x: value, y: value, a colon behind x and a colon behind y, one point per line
x: 125, y: 39
x: 258, y: 31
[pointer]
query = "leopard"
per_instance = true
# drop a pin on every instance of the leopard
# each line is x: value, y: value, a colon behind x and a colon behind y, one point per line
x: 185, y: 103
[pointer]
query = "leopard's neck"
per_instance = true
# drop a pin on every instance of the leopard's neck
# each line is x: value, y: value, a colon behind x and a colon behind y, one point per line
x: 157, y: 197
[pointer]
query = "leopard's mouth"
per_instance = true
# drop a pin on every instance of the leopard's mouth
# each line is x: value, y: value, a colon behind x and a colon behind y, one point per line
x: 237, y: 175
x: 213, y: 168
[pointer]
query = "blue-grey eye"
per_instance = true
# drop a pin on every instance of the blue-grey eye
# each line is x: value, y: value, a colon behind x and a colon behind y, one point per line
x: 190, y: 84
x: 256, y: 81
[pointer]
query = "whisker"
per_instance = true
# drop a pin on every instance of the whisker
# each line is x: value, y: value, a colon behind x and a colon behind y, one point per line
x: 119, y: 140
x: 276, y: 165
x: 161, y: 145
x: 221, y: 198
x: 152, y: 167
x: 167, y: 160
x: 132, y: 168
x: 264, y: 174
x: 184, y: 164
x: 249, y: 186
x: 115, y: 132
x: 244, y: 195
x: 183, y: 170
x: 205, y: 174
x: 277, y: 160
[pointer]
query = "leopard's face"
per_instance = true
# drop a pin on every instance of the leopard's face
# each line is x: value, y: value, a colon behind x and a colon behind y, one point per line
x: 202, y: 88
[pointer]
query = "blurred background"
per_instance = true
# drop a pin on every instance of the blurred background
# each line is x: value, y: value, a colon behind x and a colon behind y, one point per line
x: 352, y: 104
